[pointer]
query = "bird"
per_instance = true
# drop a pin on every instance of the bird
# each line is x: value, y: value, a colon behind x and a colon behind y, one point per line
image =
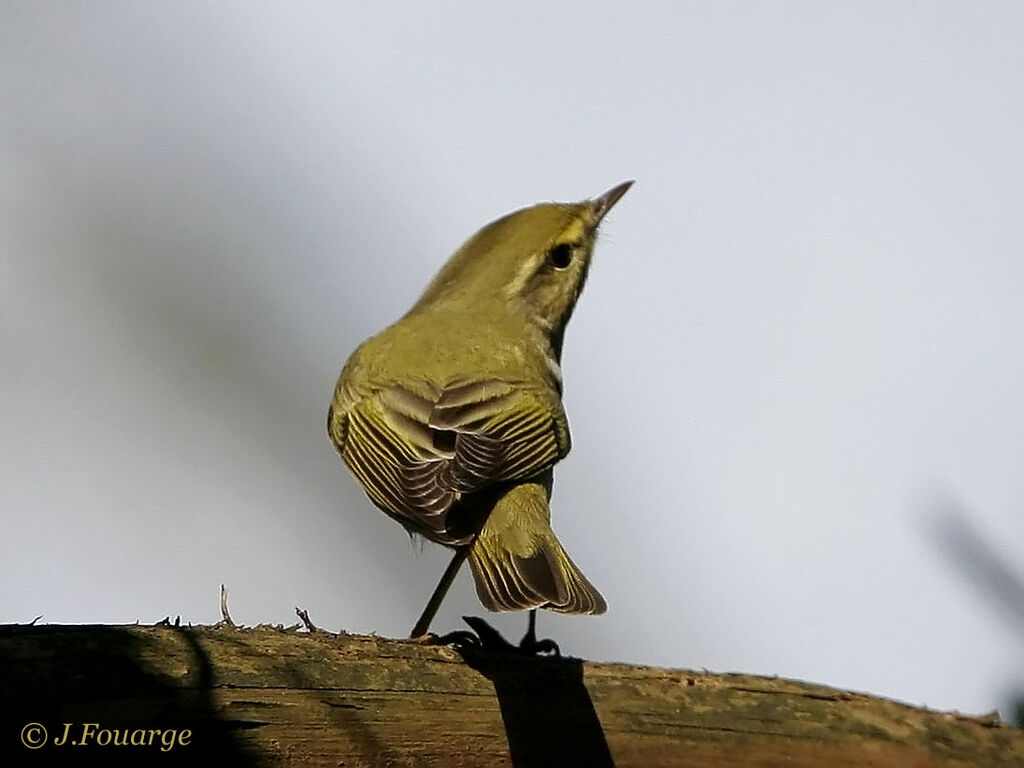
x: 451, y: 419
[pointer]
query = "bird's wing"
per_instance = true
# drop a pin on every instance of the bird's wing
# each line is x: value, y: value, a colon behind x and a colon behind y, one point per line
x: 417, y: 455
x: 501, y: 432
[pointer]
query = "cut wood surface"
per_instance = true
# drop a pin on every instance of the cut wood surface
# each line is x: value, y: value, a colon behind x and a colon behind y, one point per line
x: 277, y: 697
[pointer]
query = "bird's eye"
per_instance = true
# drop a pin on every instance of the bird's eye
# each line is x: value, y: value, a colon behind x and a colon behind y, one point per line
x: 560, y: 256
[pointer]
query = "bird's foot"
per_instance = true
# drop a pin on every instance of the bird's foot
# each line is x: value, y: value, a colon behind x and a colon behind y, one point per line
x: 487, y: 638
x: 531, y: 645
x: 534, y: 647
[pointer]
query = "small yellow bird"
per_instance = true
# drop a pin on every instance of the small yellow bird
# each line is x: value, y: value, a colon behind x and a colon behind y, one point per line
x: 451, y: 419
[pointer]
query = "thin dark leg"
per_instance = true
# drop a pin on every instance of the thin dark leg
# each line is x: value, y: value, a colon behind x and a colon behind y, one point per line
x: 530, y: 643
x: 530, y: 638
x: 423, y: 624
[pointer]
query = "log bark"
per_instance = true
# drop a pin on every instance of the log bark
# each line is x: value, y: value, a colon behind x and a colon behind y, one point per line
x: 280, y: 697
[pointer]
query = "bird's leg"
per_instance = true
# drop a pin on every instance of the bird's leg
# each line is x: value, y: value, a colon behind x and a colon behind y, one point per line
x: 530, y: 638
x: 419, y: 631
x: 530, y: 644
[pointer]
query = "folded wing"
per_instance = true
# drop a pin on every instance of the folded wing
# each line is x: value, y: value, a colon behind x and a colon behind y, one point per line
x: 418, y: 453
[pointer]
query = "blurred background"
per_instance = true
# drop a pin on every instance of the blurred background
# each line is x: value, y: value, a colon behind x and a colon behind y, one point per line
x: 794, y: 379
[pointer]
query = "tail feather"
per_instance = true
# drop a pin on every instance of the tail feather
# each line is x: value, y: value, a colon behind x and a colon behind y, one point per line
x: 517, y: 561
x: 543, y: 578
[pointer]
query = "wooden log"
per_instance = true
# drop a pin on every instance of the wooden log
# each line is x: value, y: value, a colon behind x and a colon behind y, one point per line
x: 277, y: 697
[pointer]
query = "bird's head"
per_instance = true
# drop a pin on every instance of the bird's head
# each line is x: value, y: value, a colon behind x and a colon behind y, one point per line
x: 534, y: 260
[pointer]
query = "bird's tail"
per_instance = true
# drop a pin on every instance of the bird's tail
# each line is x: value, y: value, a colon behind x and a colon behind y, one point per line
x: 518, y: 562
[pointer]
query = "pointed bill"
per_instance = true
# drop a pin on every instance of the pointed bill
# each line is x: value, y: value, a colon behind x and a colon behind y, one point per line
x: 604, y: 203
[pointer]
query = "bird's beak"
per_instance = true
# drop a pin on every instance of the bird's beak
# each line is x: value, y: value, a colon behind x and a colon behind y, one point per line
x: 601, y: 205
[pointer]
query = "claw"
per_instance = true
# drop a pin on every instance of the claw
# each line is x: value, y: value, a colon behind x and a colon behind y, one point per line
x: 535, y: 647
x: 460, y: 639
x: 486, y: 638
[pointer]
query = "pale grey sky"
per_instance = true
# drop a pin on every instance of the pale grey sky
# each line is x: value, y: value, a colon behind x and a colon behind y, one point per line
x: 802, y: 340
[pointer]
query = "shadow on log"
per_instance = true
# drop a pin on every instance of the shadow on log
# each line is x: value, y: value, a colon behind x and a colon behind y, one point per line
x: 546, y: 709
x: 56, y: 675
x: 276, y: 697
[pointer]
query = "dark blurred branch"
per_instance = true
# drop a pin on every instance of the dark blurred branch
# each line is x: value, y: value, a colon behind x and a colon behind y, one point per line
x: 990, y: 573
x: 985, y: 568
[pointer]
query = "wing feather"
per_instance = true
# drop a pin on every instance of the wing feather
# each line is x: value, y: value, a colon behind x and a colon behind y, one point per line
x: 417, y: 453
